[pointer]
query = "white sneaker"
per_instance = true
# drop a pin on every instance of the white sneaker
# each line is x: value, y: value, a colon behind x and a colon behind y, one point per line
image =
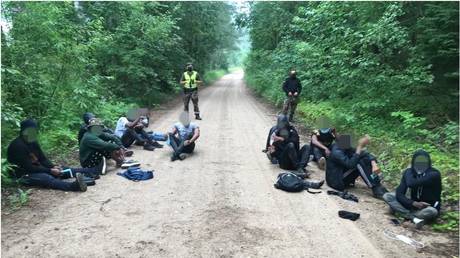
x: 418, y: 223
x: 130, y: 163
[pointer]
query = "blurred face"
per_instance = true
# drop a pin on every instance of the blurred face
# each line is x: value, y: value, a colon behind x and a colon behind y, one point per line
x: 293, y: 73
x: 184, y: 119
x: 30, y: 135
x: 344, y: 141
x: 190, y: 68
x: 421, y: 164
x: 96, y: 129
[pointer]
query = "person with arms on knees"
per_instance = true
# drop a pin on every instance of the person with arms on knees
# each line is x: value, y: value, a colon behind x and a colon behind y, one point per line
x: 190, y: 80
x: 424, y: 183
x: 183, y: 136
x: 133, y: 131
x: 345, y: 164
x: 283, y: 146
x: 321, y: 141
x: 292, y: 87
x: 96, y: 146
x: 33, y: 168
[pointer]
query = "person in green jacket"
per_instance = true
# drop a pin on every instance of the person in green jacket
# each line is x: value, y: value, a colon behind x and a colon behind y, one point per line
x: 96, y: 145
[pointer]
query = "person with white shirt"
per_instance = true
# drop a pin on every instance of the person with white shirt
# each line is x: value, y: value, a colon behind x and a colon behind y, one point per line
x: 183, y: 136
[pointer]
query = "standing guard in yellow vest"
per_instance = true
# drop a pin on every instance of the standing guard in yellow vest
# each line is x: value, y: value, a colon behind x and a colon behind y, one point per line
x: 190, y: 80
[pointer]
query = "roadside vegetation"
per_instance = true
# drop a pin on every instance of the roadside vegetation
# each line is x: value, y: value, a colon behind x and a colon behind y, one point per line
x: 386, y: 69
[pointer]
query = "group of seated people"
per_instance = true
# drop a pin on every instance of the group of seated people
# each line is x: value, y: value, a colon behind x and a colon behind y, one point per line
x: 97, y: 143
x: 344, y: 164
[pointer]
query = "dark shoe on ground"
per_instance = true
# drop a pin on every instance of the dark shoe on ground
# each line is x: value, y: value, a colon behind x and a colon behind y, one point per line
x: 379, y: 191
x: 174, y: 157
x: 130, y: 163
x: 314, y: 185
x: 149, y: 147
x: 157, y: 145
x: 322, y: 163
x: 129, y: 153
x: 198, y: 117
x: 89, y: 181
x: 80, y: 182
x: 182, y: 156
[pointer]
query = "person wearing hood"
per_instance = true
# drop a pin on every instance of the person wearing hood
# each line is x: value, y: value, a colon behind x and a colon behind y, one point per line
x: 283, y: 147
x: 292, y: 87
x: 345, y: 164
x: 321, y: 141
x: 183, y: 136
x: 95, y: 147
x: 33, y: 168
x: 190, y: 80
x: 424, y: 183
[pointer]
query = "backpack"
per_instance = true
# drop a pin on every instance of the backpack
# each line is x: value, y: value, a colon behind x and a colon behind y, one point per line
x: 289, y: 182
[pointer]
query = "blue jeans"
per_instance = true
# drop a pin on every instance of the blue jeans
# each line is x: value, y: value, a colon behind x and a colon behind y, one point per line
x: 46, y: 180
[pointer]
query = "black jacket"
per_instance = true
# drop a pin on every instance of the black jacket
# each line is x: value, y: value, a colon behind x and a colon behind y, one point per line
x: 426, y: 187
x: 28, y: 157
x: 292, y: 85
x: 341, y: 161
x: 279, y: 146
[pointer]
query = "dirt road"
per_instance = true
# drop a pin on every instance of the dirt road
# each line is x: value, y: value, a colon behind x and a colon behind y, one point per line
x: 220, y: 202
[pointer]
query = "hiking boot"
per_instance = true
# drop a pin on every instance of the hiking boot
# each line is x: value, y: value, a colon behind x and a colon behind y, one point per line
x: 418, y: 223
x: 314, y: 185
x: 129, y: 153
x: 149, y: 147
x: 322, y: 163
x: 80, y: 182
x: 182, y: 156
x: 197, y: 117
x: 379, y: 191
x: 130, y: 163
x: 157, y: 145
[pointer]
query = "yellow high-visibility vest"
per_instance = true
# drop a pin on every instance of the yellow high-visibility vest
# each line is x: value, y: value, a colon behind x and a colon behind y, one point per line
x: 190, y: 80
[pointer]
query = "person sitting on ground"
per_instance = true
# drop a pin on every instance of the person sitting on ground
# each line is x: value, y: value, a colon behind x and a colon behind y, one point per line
x: 183, y: 136
x: 133, y: 131
x: 345, y: 164
x: 321, y: 141
x: 106, y: 134
x: 33, y: 168
x: 95, y: 146
x: 283, y: 147
x: 424, y: 183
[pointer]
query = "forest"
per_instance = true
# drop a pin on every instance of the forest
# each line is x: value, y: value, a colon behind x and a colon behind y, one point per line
x: 387, y: 69
x: 381, y: 68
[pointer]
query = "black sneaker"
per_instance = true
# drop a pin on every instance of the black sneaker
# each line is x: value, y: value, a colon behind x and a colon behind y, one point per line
x: 197, y: 117
x: 157, y: 145
x: 80, y: 181
x: 174, y: 157
x: 379, y: 191
x: 89, y: 181
x: 149, y: 147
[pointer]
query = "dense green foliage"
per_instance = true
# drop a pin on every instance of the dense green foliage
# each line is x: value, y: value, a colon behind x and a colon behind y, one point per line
x: 61, y: 59
x: 383, y: 68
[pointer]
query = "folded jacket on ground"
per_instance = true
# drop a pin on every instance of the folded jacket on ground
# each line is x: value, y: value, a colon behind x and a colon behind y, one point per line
x: 136, y: 174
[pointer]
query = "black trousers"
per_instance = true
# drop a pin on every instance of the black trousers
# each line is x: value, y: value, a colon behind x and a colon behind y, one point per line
x: 134, y: 134
x: 178, y: 147
x: 316, y: 152
x: 291, y: 159
x: 363, y: 170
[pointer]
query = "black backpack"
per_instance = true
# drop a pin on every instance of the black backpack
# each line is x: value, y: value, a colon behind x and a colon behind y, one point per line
x: 289, y: 182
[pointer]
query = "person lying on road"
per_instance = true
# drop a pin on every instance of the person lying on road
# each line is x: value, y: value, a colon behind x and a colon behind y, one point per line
x: 283, y: 147
x: 345, y: 164
x: 424, y: 183
x: 321, y: 141
x: 183, y: 136
x: 33, y: 168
